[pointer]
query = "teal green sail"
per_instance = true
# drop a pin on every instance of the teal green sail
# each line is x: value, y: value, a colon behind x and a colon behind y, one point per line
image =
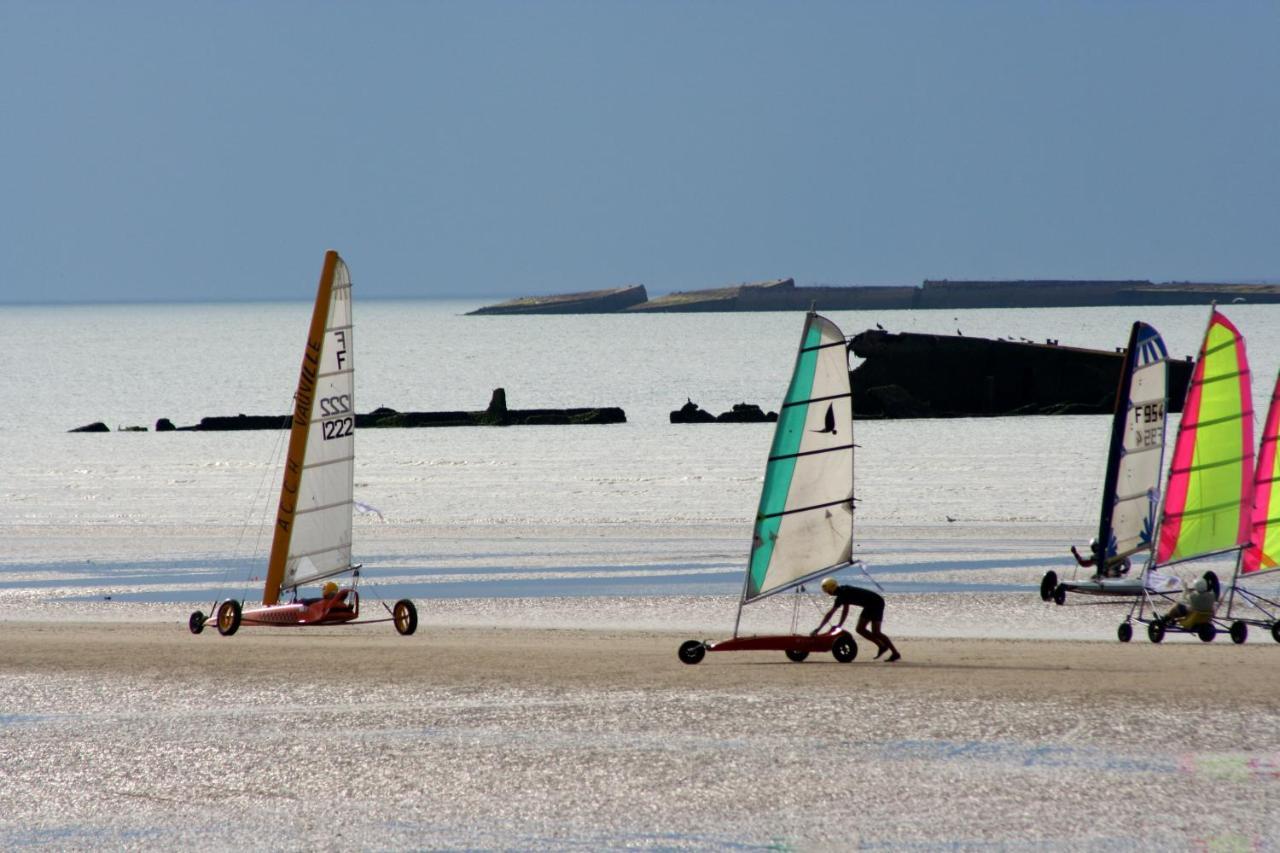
x: 804, y: 525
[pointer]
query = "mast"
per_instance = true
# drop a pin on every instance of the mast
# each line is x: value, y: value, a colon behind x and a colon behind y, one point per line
x: 303, y: 405
x: 1116, y: 451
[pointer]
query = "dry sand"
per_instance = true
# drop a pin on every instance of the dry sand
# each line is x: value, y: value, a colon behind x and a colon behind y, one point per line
x: 142, y: 735
x: 468, y: 658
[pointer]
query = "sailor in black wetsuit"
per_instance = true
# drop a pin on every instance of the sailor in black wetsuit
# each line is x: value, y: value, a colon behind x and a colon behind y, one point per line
x: 872, y: 605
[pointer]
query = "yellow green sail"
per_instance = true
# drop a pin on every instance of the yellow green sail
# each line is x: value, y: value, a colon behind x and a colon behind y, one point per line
x: 1210, y: 487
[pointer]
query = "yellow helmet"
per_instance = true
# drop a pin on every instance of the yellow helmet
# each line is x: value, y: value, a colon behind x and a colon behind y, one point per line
x: 829, y: 586
x: 330, y: 589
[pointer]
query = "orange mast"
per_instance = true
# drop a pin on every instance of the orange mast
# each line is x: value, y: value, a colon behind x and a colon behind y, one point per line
x: 303, y: 403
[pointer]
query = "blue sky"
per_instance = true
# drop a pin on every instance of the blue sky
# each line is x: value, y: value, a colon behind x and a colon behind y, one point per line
x: 182, y: 150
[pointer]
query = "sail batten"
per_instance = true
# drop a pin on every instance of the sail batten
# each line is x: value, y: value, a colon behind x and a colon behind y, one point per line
x: 809, y: 508
x: 810, y: 452
x: 804, y: 523
x: 327, y: 462
x: 321, y: 508
x: 815, y: 400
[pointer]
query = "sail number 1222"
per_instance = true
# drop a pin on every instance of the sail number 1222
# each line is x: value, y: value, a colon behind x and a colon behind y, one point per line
x: 337, y: 419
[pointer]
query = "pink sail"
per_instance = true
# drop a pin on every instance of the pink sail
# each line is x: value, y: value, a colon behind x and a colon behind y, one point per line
x: 1264, y: 554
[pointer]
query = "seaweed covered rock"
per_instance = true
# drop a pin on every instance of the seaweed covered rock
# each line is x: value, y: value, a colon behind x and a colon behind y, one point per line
x: 691, y: 413
x: 746, y: 413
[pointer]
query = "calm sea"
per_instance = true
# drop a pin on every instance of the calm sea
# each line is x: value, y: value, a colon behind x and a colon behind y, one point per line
x: 641, y: 507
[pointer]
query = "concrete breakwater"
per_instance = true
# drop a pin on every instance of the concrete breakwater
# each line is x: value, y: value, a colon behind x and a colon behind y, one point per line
x: 496, y: 414
x: 784, y: 295
x: 909, y: 375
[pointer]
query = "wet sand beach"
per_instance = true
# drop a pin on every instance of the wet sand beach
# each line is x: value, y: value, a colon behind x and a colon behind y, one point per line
x: 142, y: 735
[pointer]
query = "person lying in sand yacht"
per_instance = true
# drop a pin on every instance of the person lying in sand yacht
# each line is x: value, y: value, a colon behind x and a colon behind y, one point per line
x: 872, y: 605
x: 1111, y: 567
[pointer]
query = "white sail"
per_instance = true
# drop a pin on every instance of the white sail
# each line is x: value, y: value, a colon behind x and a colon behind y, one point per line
x: 1140, y: 436
x: 805, y: 520
x: 320, y: 543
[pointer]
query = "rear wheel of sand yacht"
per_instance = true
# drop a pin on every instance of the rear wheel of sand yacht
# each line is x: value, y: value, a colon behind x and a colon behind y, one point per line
x: 796, y: 655
x: 1239, y: 632
x: 229, y: 617
x: 844, y: 649
x: 1275, y: 631
x: 1060, y: 594
x: 691, y: 652
x: 405, y: 617
x: 1048, y: 584
x: 1206, y: 633
x: 1125, y: 632
x: 196, y: 622
x: 1155, y: 632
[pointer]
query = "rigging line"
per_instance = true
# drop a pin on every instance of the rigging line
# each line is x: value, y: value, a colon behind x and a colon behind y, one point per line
x: 806, y: 509
x: 261, y: 498
x: 262, y: 502
x: 810, y: 452
x: 816, y: 400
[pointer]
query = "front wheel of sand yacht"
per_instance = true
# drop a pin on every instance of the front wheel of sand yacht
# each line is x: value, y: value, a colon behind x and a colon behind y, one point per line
x: 1060, y: 594
x: 196, y: 622
x: 229, y: 613
x: 1239, y: 632
x: 796, y: 655
x: 844, y: 649
x: 405, y: 617
x: 1155, y: 632
x: 1275, y: 631
x: 691, y: 652
x: 1125, y: 632
x: 1048, y: 584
